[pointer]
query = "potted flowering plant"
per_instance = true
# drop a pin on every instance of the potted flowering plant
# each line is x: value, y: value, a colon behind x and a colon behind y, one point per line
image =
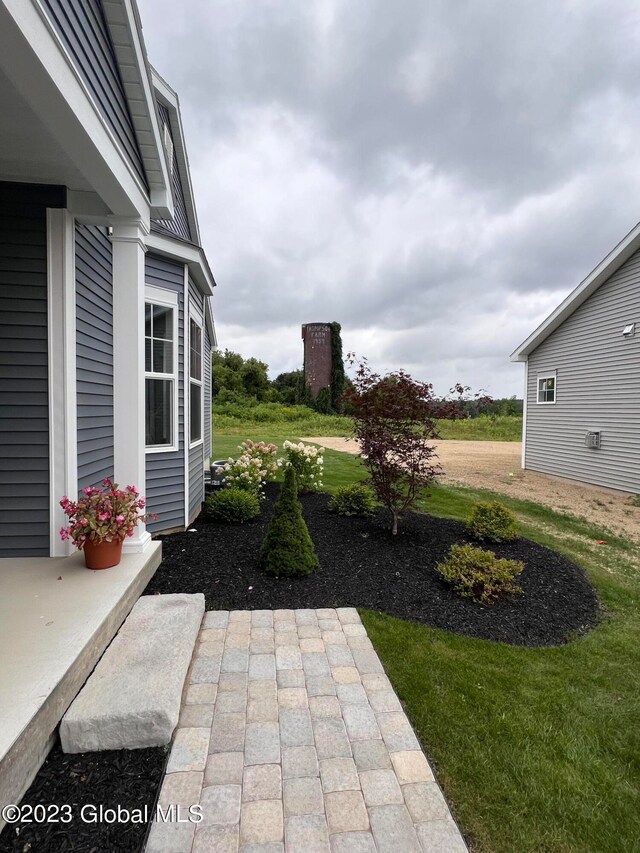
x: 101, y: 519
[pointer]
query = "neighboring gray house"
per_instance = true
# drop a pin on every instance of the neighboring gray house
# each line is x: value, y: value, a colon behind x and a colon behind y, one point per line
x: 582, y: 378
x: 105, y: 319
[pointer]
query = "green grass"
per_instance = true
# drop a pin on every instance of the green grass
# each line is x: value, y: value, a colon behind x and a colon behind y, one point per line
x: 279, y: 421
x: 483, y: 428
x: 284, y: 421
x: 536, y: 749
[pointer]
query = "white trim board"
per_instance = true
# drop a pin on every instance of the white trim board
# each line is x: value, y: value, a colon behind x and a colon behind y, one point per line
x: 523, y: 460
x: 185, y: 383
x: 196, y: 316
x: 61, y: 345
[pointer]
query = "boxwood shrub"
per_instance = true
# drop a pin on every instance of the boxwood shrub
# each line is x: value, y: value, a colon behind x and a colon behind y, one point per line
x: 232, y: 505
x: 492, y: 522
x: 479, y: 574
x: 353, y: 500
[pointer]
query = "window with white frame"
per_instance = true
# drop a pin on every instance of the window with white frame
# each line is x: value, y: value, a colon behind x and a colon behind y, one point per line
x: 195, y: 380
x: 161, y: 367
x: 547, y: 388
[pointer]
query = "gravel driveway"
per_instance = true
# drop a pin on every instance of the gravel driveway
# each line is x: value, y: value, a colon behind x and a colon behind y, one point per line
x: 495, y: 465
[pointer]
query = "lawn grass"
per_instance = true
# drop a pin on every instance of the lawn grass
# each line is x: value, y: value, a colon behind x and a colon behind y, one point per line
x: 536, y: 749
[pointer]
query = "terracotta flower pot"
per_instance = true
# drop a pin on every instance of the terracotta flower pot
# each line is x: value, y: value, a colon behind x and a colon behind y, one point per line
x: 102, y: 555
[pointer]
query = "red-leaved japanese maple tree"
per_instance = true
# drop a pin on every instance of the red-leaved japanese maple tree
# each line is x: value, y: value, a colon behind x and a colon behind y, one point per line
x: 394, y: 420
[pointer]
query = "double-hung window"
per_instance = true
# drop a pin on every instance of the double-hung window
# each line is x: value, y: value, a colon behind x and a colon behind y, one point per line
x: 195, y: 380
x: 161, y: 369
x: 547, y: 388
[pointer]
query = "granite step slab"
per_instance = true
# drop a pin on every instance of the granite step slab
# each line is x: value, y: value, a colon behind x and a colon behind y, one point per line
x: 132, y: 699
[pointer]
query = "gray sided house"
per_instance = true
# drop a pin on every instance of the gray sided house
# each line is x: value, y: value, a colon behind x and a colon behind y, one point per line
x: 106, y: 333
x: 582, y: 378
x: 105, y: 314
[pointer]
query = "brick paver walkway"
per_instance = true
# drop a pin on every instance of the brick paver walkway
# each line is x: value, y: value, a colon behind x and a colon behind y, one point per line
x: 292, y: 740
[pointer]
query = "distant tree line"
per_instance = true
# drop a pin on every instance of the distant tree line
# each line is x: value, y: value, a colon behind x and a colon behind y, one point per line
x: 490, y: 406
x: 235, y: 379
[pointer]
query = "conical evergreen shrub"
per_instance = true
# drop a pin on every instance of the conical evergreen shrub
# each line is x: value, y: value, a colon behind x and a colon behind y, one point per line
x: 287, y: 549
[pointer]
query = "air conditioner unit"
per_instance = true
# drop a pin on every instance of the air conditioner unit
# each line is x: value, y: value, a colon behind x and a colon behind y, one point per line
x: 592, y: 439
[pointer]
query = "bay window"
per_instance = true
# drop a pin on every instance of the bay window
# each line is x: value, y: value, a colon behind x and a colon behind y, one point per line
x: 161, y: 367
x: 195, y: 381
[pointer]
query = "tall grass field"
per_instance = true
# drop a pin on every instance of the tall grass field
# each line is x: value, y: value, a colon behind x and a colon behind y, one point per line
x: 287, y: 421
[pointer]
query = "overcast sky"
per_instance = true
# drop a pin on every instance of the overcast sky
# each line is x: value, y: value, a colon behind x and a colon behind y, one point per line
x: 435, y: 175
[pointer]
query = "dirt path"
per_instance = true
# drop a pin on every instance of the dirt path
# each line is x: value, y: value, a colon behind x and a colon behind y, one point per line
x: 495, y: 465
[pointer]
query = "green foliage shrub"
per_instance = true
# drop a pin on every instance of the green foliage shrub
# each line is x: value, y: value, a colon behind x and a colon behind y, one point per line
x: 287, y: 549
x: 338, y: 377
x: 493, y: 522
x: 232, y: 505
x: 353, y: 500
x: 322, y: 402
x: 479, y: 574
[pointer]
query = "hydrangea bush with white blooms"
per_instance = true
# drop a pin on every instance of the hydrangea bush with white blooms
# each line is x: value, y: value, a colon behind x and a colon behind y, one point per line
x: 266, y: 453
x: 307, y: 461
x: 256, y: 464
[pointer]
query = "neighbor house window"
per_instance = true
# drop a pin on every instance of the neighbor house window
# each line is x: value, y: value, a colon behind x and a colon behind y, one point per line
x: 547, y: 389
x: 160, y: 373
x: 195, y: 381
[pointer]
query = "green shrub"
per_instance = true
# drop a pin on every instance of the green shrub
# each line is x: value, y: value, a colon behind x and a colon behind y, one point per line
x: 493, y: 522
x: 478, y: 574
x: 353, y: 500
x: 287, y: 549
x: 232, y: 505
x: 322, y: 403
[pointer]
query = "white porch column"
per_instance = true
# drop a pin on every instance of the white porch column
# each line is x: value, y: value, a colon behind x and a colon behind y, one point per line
x: 61, y: 306
x: 129, y: 248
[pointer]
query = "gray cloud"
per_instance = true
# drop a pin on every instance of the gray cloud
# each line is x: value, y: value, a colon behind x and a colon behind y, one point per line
x: 434, y: 176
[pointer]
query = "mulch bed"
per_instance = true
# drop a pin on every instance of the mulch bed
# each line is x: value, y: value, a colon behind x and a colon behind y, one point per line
x: 362, y: 565
x: 129, y: 778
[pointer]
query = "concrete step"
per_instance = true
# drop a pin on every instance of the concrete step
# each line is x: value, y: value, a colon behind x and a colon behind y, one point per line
x: 132, y: 698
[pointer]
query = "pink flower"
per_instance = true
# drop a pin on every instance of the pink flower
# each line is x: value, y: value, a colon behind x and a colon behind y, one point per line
x: 119, y: 518
x: 103, y: 516
x: 83, y: 522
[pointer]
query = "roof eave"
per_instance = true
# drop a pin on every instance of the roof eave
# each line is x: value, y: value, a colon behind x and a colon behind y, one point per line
x: 605, y: 269
x: 123, y: 20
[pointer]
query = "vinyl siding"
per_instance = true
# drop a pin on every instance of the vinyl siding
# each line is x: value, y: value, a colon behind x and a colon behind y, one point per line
x: 196, y: 454
x: 165, y: 471
x: 94, y: 354
x: 81, y: 26
x: 24, y: 395
x: 179, y: 225
x: 597, y: 388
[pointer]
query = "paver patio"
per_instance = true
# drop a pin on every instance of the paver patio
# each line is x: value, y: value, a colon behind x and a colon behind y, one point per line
x: 292, y: 740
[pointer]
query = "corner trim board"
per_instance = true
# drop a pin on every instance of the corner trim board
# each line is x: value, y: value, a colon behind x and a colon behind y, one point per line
x: 61, y: 347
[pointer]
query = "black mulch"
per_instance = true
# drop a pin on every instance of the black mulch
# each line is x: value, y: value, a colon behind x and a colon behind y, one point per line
x: 362, y: 565
x: 129, y: 778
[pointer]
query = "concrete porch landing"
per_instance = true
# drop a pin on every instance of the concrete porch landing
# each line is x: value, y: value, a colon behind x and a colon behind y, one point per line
x: 292, y: 740
x: 52, y: 633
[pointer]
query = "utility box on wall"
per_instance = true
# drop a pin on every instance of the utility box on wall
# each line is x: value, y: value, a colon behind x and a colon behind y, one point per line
x: 317, y: 356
